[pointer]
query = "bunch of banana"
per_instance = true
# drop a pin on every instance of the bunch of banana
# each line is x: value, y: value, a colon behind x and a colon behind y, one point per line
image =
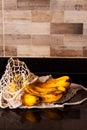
x: 50, y: 91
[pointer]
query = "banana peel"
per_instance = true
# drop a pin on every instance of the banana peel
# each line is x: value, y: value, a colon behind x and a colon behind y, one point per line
x: 49, y: 98
x: 50, y: 91
x: 29, y: 100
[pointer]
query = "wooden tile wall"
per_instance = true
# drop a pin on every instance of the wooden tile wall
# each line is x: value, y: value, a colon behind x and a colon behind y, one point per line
x: 43, y: 28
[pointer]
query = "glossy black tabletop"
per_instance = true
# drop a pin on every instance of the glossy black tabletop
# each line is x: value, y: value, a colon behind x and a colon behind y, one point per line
x: 67, y: 118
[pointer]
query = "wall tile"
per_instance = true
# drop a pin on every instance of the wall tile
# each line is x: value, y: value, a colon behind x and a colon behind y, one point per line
x: 41, y: 40
x: 27, y: 28
x: 1, y: 40
x: 1, y: 28
x: 85, y: 4
x: 55, y: 27
x: 40, y: 28
x: 1, y: 20
x: 11, y: 39
x: 36, y: 51
x: 62, y: 51
x: 17, y: 28
x: 74, y: 5
x: 66, y: 28
x: 57, y: 16
x: 17, y: 15
x: 33, y: 4
x: 85, y: 28
x: 1, y: 31
x: 0, y: 4
x: 10, y: 51
x: 68, y: 5
x: 41, y: 15
x: 57, y: 39
x: 85, y: 51
x: 57, y: 5
x: 75, y: 16
x: 1, y: 51
x: 10, y: 4
x: 75, y: 44
x: 73, y: 38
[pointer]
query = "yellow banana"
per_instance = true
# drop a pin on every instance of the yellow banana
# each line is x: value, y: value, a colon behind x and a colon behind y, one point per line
x: 44, y: 90
x: 12, y: 87
x: 61, y: 83
x: 29, y: 100
x: 51, y: 85
x: 49, y: 98
x: 31, y: 91
x: 48, y: 92
x: 58, y: 81
x: 39, y: 91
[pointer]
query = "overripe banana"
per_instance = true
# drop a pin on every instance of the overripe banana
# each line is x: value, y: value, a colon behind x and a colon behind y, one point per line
x: 48, y: 92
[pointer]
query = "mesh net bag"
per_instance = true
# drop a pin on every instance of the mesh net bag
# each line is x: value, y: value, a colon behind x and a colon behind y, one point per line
x: 17, y: 71
x: 17, y: 76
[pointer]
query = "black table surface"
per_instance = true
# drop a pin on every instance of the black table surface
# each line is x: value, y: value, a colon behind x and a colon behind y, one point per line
x: 67, y: 118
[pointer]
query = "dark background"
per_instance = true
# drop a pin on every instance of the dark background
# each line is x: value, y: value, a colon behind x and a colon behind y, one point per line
x: 76, y: 68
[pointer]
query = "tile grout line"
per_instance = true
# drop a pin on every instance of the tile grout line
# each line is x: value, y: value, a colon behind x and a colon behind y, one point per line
x: 3, y: 28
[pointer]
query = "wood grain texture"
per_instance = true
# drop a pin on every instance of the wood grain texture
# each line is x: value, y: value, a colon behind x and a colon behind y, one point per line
x: 66, y: 28
x: 11, y: 39
x: 57, y: 39
x: 1, y: 28
x: 68, y: 5
x: 85, y: 28
x: 41, y: 40
x: 35, y: 51
x: 43, y: 28
x: 85, y: 51
x: 75, y: 16
x: 57, y: 16
x: 17, y: 15
x: 0, y: 4
x: 10, y: 4
x: 27, y: 28
x: 10, y: 50
x: 33, y: 4
x: 73, y: 38
x: 63, y: 51
x: 41, y: 15
x: 1, y: 19
x: 1, y: 51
